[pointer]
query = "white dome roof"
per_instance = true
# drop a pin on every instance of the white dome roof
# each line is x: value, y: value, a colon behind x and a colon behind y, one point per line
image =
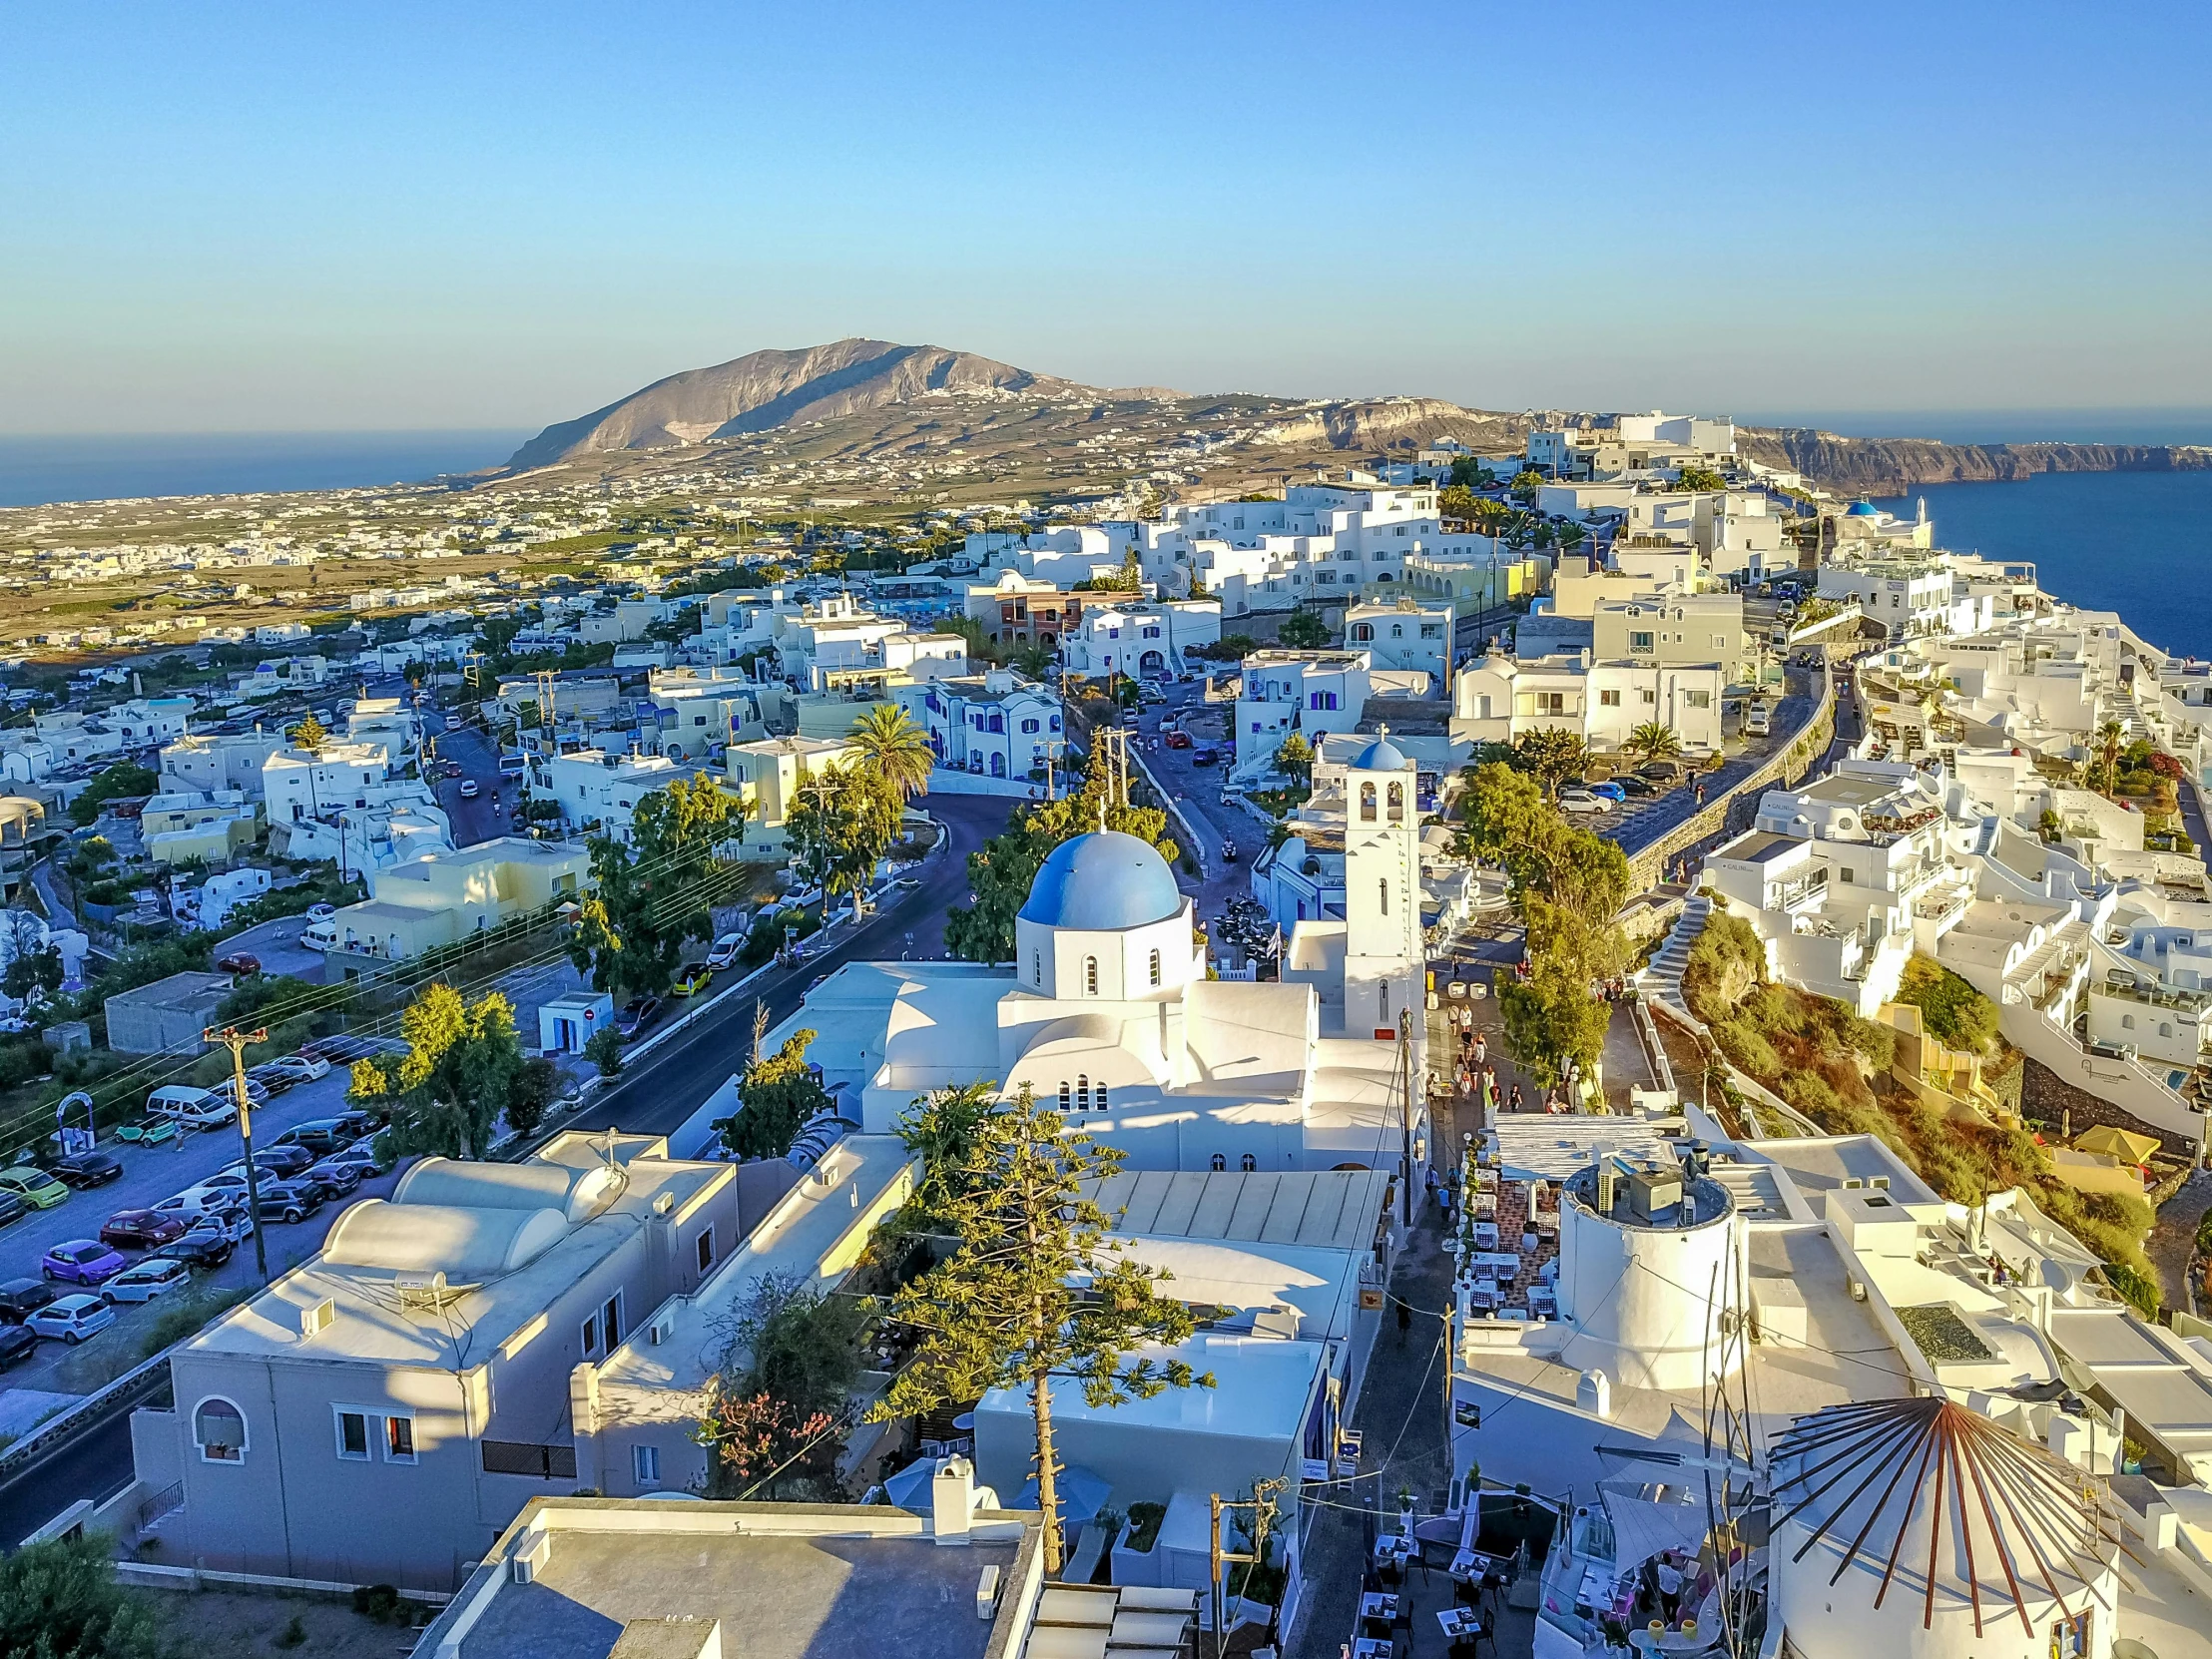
x: 1103, y: 883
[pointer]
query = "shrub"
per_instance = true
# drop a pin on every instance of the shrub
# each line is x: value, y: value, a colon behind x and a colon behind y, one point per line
x: 1877, y: 1042
x: 1749, y: 1050
x: 2140, y: 1289
x: 1953, y: 1011
x: 61, y: 1598
x: 605, y: 1051
x: 1726, y: 961
x: 380, y: 1602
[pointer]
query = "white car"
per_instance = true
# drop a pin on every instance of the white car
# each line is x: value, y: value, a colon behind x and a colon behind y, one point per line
x: 144, y: 1281
x: 308, y: 1068
x: 725, y: 951
x: 471, y: 789
x: 209, y: 1111
x: 1582, y: 800
x: 72, y: 1317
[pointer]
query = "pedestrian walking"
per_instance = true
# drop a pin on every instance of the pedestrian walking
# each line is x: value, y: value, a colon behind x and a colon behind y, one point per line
x: 1514, y: 1104
x: 1482, y: 1049
x: 1404, y: 1319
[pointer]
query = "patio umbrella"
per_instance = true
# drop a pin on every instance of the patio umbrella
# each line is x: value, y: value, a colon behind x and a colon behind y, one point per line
x: 1081, y: 1494
x: 910, y: 1487
x: 2122, y: 1144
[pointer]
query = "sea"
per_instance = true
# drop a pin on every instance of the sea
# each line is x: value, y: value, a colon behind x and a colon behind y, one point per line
x: 38, y: 471
x: 2139, y: 543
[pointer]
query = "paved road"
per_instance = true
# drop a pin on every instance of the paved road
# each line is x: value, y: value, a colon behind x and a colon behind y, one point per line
x: 477, y: 753
x: 672, y: 1082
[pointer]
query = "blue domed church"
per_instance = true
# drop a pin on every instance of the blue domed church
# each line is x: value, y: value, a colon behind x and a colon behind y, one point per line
x: 1107, y: 1013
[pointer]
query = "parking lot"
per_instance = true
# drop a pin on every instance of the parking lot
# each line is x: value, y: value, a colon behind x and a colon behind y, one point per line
x: 151, y: 1174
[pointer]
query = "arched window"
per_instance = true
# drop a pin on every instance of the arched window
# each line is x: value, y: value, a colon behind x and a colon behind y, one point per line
x: 1090, y: 976
x: 1082, y: 1092
x: 1102, y: 1095
x: 1367, y: 803
x: 1383, y: 991
x: 1063, y: 1094
x: 219, y: 1428
x: 1247, y: 1163
x: 1155, y: 967
x: 1383, y: 894
x: 1218, y: 1163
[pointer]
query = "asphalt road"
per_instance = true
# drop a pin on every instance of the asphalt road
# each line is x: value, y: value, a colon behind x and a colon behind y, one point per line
x: 673, y: 1080
x: 477, y: 753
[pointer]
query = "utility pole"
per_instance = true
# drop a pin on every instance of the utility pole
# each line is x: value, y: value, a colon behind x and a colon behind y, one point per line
x: 1406, y: 1116
x: 1262, y: 1506
x: 236, y: 1040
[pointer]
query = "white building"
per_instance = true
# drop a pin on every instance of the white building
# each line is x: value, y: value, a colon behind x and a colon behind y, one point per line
x: 1309, y: 692
x: 1405, y: 633
x: 297, y: 785
x: 1496, y: 699
x: 599, y: 792
x: 993, y: 724
x: 1134, y: 637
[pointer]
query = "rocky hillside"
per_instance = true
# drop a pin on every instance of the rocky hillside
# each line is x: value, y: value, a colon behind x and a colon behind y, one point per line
x: 765, y: 390
x: 1887, y: 466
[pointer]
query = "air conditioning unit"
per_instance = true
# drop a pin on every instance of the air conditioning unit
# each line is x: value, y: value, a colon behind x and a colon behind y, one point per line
x: 661, y: 1329
x: 317, y: 1316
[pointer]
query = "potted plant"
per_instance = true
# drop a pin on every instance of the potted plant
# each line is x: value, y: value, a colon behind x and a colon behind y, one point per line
x: 1135, y: 1560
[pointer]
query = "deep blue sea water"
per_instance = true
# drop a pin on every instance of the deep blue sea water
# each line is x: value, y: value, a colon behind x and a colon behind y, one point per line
x: 2139, y: 543
x: 38, y: 470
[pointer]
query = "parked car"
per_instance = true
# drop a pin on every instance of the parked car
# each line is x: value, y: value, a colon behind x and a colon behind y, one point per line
x: 21, y: 1298
x: 283, y: 1162
x: 324, y: 1135
x: 88, y: 1169
x: 289, y: 1201
x: 470, y: 789
x: 140, y: 1230
x: 1179, y: 740
x: 272, y: 1081
x: 72, y: 1319
x: 238, y: 962
x: 16, y: 1343
x: 144, y: 1281
x: 233, y: 1226
x: 321, y: 912
x: 332, y: 1177
x: 305, y: 1068
x: 1582, y: 800
x: 725, y: 951
x: 83, y: 1262
x: 1203, y: 757
x: 192, y: 1108
x: 1609, y: 791
x: 1630, y: 784
x: 636, y: 1014
x: 34, y: 1186
x: 1758, y: 719
x: 363, y: 1156
x: 693, y: 979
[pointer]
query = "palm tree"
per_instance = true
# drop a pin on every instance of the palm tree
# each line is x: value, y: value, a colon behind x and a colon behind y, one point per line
x: 1654, y: 742
x: 892, y: 746
x: 2111, y: 737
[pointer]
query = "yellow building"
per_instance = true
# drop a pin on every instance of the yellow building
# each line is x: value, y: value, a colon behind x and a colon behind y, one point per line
x: 447, y: 896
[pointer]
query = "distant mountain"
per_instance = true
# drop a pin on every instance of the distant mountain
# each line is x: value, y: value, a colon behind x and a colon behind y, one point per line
x: 766, y: 389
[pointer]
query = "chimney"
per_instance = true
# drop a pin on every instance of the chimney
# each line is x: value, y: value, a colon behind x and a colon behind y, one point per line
x: 952, y: 1500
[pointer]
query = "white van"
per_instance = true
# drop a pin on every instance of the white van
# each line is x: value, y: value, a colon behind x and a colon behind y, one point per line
x: 192, y: 1108
x: 1758, y: 721
x: 319, y: 935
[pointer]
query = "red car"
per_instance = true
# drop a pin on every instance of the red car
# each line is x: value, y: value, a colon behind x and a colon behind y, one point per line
x: 1179, y: 740
x: 140, y: 1230
x: 238, y: 962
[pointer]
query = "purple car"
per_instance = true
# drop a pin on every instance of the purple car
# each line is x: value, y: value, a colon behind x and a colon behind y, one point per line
x: 82, y: 1262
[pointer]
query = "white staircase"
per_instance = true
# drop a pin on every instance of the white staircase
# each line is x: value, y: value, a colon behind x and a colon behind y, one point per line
x: 1660, y: 979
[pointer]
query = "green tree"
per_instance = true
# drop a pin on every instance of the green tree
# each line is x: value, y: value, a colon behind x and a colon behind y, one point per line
x: 1551, y: 757
x: 462, y: 1067
x: 60, y: 1600
x: 1469, y: 473
x: 656, y: 892
x: 2110, y: 739
x: 892, y: 746
x: 33, y: 970
x: 842, y: 821
x: 1302, y: 629
x: 777, y: 1097
x: 1294, y: 757
x: 1551, y: 1016
x: 310, y: 736
x: 604, y: 1050
x: 1654, y: 740
x: 125, y: 781
x: 1455, y: 500
x: 1700, y: 478
x: 1005, y: 1308
x: 1528, y: 482
x: 940, y: 1129
x: 1954, y: 1013
x: 782, y: 1391
x: 1000, y: 872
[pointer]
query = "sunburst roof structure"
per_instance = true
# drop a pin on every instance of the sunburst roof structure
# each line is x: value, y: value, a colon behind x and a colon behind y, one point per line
x: 1927, y: 1489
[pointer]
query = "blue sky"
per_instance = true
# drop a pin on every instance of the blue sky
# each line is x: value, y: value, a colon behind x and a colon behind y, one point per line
x: 233, y: 217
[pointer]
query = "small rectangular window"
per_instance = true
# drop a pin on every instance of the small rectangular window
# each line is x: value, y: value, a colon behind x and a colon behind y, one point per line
x: 399, y: 1442
x: 705, y: 1249
x: 590, y: 1342
x: 644, y: 1464
x: 353, y: 1437
x: 610, y: 1320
